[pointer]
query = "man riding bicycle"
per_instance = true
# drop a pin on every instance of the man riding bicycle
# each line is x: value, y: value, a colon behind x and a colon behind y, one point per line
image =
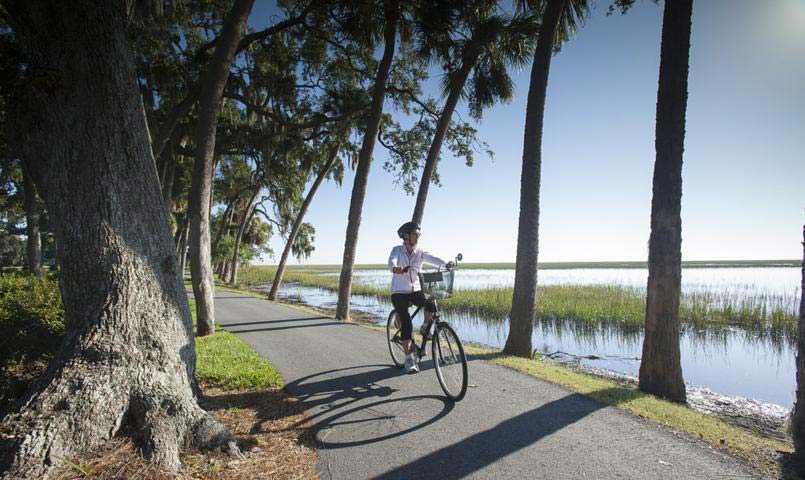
x: 405, y: 262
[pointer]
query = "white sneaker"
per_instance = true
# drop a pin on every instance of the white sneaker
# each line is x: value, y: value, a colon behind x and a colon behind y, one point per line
x: 411, y: 366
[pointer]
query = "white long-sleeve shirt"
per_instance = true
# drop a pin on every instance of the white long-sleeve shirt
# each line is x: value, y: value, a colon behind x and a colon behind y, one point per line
x: 409, y: 281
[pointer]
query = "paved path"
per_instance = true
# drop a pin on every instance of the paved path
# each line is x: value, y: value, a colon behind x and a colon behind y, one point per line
x: 373, y: 421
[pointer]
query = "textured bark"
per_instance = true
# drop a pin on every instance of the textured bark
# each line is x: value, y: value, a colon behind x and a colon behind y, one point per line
x: 521, y: 324
x: 34, y: 242
x: 212, y: 87
x: 275, y: 286
x: 392, y: 15
x: 660, y: 367
x: 798, y: 417
x: 438, y: 137
x: 248, y: 214
x: 128, y: 355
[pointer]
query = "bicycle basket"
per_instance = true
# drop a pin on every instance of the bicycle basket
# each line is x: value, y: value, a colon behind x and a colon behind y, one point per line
x: 437, y: 285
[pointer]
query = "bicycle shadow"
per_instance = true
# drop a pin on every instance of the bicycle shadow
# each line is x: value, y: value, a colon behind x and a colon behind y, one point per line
x: 340, y: 401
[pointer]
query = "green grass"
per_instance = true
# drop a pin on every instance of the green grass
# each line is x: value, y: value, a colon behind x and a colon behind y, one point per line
x: 586, y: 308
x: 224, y: 361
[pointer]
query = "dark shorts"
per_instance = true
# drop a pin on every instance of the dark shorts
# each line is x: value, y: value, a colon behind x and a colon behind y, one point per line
x: 401, y: 302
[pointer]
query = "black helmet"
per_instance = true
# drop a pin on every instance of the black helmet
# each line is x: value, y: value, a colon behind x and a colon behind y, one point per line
x: 407, y: 228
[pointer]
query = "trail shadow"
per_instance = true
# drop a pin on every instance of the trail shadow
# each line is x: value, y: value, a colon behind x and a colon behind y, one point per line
x: 334, y: 393
x: 271, y: 322
x: 484, y: 448
x: 286, y: 327
x: 230, y: 297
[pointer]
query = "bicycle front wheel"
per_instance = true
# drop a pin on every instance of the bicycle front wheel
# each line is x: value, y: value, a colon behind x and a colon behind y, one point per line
x: 449, y: 362
x: 395, y: 344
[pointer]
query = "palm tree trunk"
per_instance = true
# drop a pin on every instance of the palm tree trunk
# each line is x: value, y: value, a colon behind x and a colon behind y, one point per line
x: 34, y: 242
x: 127, y: 359
x: 521, y: 325
x: 181, y: 228
x: 182, y: 249
x: 212, y: 87
x: 660, y: 367
x: 226, y: 270
x: 226, y: 220
x: 392, y: 14
x: 436, y: 144
x: 248, y: 213
x: 275, y: 286
x: 798, y: 416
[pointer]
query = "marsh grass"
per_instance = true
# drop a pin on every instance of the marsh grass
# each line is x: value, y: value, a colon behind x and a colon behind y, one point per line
x: 587, y: 308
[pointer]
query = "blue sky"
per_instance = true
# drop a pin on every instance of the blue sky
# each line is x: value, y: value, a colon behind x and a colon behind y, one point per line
x: 743, y: 170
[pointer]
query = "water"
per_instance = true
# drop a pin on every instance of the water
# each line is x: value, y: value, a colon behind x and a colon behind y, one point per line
x: 774, y: 281
x: 731, y: 363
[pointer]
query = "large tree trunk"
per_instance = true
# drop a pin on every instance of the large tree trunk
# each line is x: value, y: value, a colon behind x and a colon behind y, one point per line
x: 275, y: 286
x: 128, y: 354
x: 521, y: 324
x: 660, y: 367
x: 798, y: 417
x: 212, y: 87
x: 392, y: 15
x: 248, y: 214
x: 34, y: 242
x: 438, y: 138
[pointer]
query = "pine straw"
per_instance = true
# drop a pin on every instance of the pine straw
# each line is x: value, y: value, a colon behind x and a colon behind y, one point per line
x: 272, y: 432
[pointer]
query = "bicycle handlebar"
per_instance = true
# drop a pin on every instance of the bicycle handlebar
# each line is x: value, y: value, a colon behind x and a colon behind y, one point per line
x: 458, y: 258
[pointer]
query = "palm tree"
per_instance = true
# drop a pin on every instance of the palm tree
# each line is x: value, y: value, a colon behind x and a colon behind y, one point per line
x: 798, y: 417
x: 212, y: 87
x: 481, y: 44
x: 392, y: 14
x: 660, y: 368
x: 560, y: 18
x: 332, y: 157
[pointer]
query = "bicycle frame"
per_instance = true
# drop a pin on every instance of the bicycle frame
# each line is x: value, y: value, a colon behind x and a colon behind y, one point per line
x: 435, y: 319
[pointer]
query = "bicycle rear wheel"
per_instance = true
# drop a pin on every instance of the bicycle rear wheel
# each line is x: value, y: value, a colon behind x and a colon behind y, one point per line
x: 449, y: 361
x: 395, y: 344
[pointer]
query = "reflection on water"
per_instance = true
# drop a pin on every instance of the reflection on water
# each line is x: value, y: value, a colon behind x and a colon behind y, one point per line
x: 728, y: 362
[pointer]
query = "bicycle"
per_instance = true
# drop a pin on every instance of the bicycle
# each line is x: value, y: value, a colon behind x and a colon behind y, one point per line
x: 447, y: 352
